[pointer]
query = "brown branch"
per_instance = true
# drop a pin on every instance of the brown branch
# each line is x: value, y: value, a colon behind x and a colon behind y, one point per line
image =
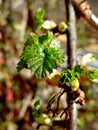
x: 30, y: 20
x: 51, y: 101
x: 58, y: 100
x: 57, y: 31
x: 85, y: 11
x: 71, y: 34
x: 59, y: 123
x: 71, y: 117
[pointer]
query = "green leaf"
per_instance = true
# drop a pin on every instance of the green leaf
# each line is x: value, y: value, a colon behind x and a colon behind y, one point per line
x: 21, y: 64
x: 40, y: 118
x: 36, y: 109
x: 78, y: 70
x: 93, y: 75
x: 42, y: 54
x: 37, y: 104
x: 66, y: 76
x: 69, y: 76
x: 32, y: 39
x: 47, y: 39
x: 39, y: 18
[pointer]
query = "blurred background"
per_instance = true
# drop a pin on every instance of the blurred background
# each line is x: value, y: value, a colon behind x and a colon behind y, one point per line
x: 16, y: 22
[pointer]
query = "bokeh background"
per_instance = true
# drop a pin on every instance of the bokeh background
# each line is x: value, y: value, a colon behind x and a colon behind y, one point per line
x: 16, y: 23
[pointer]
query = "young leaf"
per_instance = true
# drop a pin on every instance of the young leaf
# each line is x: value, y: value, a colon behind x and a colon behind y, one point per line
x: 78, y: 70
x: 39, y: 18
x: 40, y: 118
x: 42, y: 54
x: 93, y: 75
x: 37, y: 104
x: 32, y: 39
x: 68, y: 77
x: 21, y: 64
x: 36, y: 109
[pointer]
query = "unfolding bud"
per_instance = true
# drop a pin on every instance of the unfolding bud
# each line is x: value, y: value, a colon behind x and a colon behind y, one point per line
x: 43, y: 119
x: 48, y: 24
x: 53, y: 78
x: 74, y: 84
x: 62, y: 26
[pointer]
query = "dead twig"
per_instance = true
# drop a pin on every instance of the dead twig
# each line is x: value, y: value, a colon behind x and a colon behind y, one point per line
x: 52, y: 100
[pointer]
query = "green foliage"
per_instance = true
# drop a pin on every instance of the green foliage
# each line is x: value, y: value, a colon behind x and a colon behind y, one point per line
x: 62, y: 26
x: 40, y: 118
x: 21, y: 64
x: 36, y: 109
x: 93, y: 75
x: 42, y: 53
x: 39, y: 18
x: 32, y: 39
x: 78, y: 71
x: 68, y: 76
x: 71, y: 76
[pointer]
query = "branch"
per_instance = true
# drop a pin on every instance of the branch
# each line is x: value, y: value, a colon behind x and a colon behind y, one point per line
x: 71, y: 34
x: 71, y: 117
x: 56, y: 30
x: 85, y: 11
x: 59, y: 123
x: 30, y: 20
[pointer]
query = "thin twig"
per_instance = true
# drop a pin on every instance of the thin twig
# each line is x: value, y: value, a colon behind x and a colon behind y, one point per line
x: 51, y: 101
x: 58, y: 100
x: 85, y: 10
